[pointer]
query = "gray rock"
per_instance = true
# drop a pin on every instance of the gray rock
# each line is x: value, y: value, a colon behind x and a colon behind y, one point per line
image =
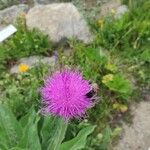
x: 107, y: 7
x: 114, y: 7
x: 59, y: 21
x: 33, y: 61
x: 45, y: 1
x: 137, y: 136
x: 9, y: 15
x: 121, y: 10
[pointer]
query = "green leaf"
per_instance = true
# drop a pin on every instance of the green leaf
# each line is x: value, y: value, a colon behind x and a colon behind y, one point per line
x: 47, y: 128
x: 121, y: 85
x: 145, y: 56
x: 30, y: 138
x: 79, y: 141
x: 24, y: 119
x: 106, y: 140
x: 116, y: 132
x: 3, y: 146
x: 10, y: 129
x: 18, y: 148
x: 57, y: 134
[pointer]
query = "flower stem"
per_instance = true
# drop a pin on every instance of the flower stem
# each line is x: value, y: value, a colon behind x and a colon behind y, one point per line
x: 59, y: 134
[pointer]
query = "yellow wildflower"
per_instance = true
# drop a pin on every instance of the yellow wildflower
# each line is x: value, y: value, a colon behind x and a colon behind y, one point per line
x: 113, y: 11
x: 107, y: 78
x: 101, y: 22
x: 23, y: 68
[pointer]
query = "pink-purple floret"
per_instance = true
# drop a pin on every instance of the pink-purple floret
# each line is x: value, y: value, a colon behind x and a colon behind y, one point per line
x: 64, y: 95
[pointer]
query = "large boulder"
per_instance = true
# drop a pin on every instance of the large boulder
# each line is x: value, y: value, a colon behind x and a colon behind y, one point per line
x: 45, y: 1
x: 59, y: 21
x: 10, y: 14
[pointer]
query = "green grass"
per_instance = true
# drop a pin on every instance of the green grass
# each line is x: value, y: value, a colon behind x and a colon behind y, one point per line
x: 120, y: 49
x: 21, y: 92
x: 23, y: 44
x: 6, y: 3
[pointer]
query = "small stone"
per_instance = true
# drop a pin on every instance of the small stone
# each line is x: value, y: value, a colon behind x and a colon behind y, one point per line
x: 33, y: 61
x: 113, y: 7
x: 107, y: 7
x: 121, y: 10
x: 59, y: 21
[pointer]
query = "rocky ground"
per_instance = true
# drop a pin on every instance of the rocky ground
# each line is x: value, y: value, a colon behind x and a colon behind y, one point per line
x: 135, y: 136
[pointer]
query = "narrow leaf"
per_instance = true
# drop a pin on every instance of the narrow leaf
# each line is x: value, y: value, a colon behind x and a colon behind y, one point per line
x: 30, y: 138
x: 17, y: 148
x: 48, y: 124
x: 57, y: 134
x: 79, y: 141
x: 24, y: 120
x: 10, y: 128
x: 3, y: 146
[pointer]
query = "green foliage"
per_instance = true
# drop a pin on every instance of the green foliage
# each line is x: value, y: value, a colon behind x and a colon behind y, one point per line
x: 47, y: 130
x: 127, y: 38
x: 88, y: 59
x: 20, y: 92
x: 25, y: 43
x: 145, y: 56
x: 120, y: 85
x: 7, y: 3
x: 57, y: 134
x: 29, y: 139
x: 10, y: 129
x: 126, y: 32
x: 106, y: 138
x: 125, y: 53
x: 79, y: 141
x: 18, y: 136
x: 103, y: 140
x: 24, y: 134
x: 3, y: 56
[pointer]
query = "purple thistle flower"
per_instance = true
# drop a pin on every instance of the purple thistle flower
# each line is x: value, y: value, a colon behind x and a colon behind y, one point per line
x: 64, y: 94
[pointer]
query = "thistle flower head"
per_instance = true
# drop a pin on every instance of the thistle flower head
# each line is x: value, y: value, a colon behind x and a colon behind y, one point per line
x: 64, y: 94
